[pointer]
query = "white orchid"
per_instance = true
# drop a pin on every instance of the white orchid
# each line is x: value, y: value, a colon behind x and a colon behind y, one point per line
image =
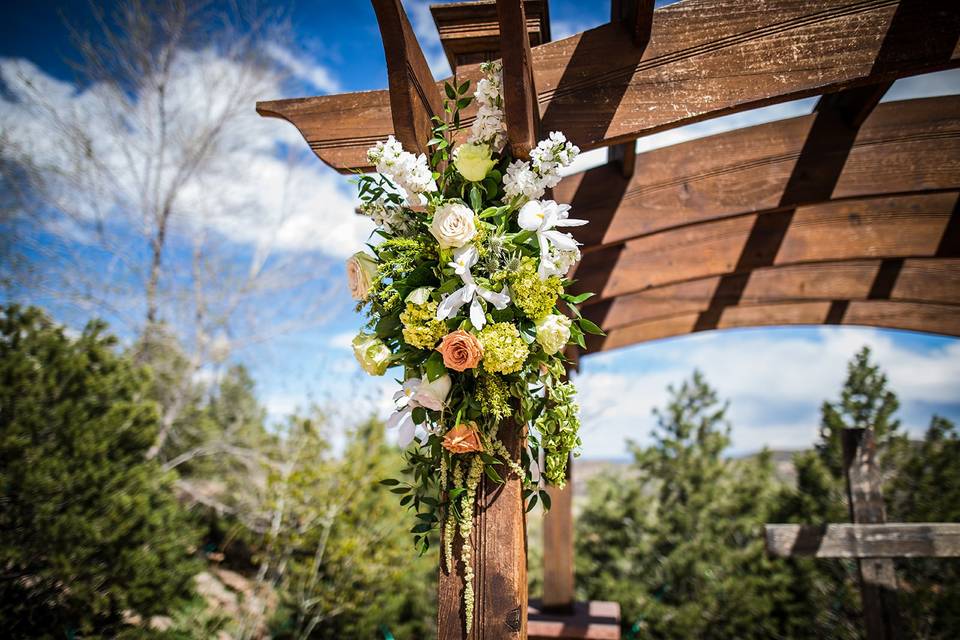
x: 417, y: 393
x: 470, y: 293
x: 543, y: 217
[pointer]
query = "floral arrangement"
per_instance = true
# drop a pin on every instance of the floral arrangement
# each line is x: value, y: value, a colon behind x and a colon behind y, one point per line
x: 462, y: 291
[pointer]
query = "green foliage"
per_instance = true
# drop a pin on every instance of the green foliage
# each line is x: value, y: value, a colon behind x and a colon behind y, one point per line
x: 88, y: 529
x: 342, y: 558
x: 680, y: 547
x: 926, y: 488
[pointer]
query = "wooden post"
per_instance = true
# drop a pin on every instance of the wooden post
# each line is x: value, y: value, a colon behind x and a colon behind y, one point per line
x: 558, y: 547
x: 878, y: 579
x: 499, y: 559
x: 520, y: 107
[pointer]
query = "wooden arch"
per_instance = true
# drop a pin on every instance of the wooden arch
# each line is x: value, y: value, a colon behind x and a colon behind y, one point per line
x: 849, y: 215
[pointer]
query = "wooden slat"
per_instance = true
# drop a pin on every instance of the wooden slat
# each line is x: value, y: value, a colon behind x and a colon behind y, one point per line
x: 519, y: 93
x: 894, y: 227
x: 891, y: 540
x: 903, y: 147
x: 705, y: 58
x: 878, y: 577
x: 414, y: 99
x: 927, y: 318
x: 923, y: 280
x: 499, y: 559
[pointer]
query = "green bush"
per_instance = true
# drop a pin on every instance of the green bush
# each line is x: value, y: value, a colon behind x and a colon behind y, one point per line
x: 89, y: 530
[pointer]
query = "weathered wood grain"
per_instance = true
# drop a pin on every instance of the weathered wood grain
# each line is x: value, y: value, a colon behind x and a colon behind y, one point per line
x: 414, y: 99
x: 894, y: 227
x: 636, y: 16
x: 903, y: 147
x: 499, y: 560
x: 705, y: 58
x: 891, y: 540
x: 519, y: 93
x: 878, y: 577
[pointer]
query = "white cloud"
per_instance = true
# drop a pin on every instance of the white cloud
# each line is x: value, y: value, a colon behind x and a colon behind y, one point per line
x: 774, y: 378
x: 342, y: 340
x: 318, y: 76
x: 255, y: 189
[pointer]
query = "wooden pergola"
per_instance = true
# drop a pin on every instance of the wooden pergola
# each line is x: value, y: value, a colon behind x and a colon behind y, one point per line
x: 849, y: 215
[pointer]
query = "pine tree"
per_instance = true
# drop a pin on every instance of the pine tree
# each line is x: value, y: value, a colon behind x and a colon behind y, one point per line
x: 828, y: 591
x: 681, y: 547
x: 89, y: 530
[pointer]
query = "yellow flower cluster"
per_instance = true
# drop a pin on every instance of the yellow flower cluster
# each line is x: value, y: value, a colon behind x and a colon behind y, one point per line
x: 535, y: 297
x: 421, y: 329
x: 504, y: 351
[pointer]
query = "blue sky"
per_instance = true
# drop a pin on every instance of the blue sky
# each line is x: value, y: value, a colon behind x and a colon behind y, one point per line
x: 774, y: 378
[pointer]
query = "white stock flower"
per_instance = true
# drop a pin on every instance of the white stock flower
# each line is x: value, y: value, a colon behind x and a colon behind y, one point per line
x: 387, y: 216
x: 553, y: 333
x: 406, y: 170
x: 417, y: 393
x: 453, y: 225
x: 361, y: 269
x: 532, y: 179
x: 488, y: 127
x: 543, y: 217
x: 470, y: 293
x: 521, y: 180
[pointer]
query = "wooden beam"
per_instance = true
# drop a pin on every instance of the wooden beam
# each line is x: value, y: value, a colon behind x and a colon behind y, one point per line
x: 709, y: 58
x: 499, y: 560
x: 910, y: 316
x: 519, y: 92
x: 922, y: 280
x: 414, y: 99
x: 892, y: 540
x: 558, y: 595
x: 890, y: 227
x: 903, y: 147
x: 594, y: 620
x: 470, y: 32
x: 624, y: 156
x: 636, y: 16
x: 878, y: 578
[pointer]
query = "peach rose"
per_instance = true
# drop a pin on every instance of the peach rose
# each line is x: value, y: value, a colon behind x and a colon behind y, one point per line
x: 463, y: 438
x: 460, y: 350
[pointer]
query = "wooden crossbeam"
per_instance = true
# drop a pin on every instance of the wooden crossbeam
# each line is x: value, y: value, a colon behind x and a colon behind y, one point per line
x: 519, y: 92
x: 748, y: 170
x: 414, y: 99
x: 909, y: 226
x: 911, y: 316
x: 921, y: 280
x: 636, y: 16
x: 891, y: 540
x: 708, y: 58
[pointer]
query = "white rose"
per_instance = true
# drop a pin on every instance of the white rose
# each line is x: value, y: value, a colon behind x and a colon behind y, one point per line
x: 432, y: 395
x: 372, y: 354
x: 361, y: 268
x: 553, y: 333
x: 419, y: 295
x: 453, y: 225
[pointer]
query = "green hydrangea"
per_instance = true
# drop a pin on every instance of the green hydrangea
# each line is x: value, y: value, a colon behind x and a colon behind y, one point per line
x: 504, y: 351
x: 421, y: 329
x: 535, y: 297
x: 559, y: 427
x: 494, y: 396
x: 398, y: 258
